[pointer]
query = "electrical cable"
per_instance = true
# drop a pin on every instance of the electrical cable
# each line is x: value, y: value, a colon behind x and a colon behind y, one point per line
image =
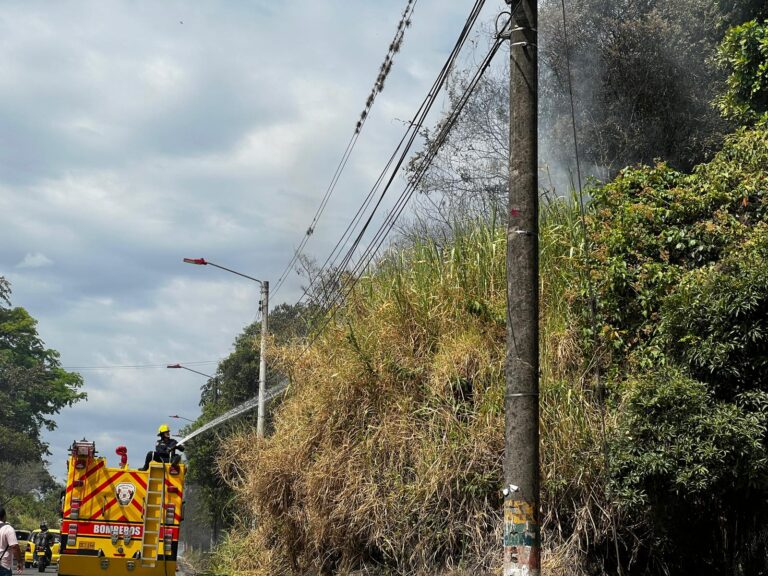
x: 394, y: 47
x: 369, y: 254
x: 135, y: 366
x: 600, y: 388
x: 417, y: 123
x: 408, y: 138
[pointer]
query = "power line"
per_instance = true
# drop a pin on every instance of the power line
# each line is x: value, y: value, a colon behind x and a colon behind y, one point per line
x: 135, y: 366
x: 403, y: 147
x: 368, y: 255
x: 394, y: 47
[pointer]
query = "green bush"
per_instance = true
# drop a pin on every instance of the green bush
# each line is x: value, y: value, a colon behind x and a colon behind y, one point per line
x: 696, y: 469
x: 653, y: 225
x: 716, y: 322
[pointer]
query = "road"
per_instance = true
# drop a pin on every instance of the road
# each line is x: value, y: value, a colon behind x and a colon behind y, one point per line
x: 30, y: 571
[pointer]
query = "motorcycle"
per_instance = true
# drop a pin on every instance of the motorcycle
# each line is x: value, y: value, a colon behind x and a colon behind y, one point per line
x: 43, y: 553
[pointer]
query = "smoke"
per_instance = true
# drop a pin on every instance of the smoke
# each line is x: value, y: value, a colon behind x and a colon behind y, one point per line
x: 643, y: 79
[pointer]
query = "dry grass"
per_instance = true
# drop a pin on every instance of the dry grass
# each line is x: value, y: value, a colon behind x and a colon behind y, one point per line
x: 387, y: 456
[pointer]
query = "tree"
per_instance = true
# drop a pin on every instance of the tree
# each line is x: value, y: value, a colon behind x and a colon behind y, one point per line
x: 744, y: 54
x: 33, y: 386
x: 643, y: 79
x: 468, y: 177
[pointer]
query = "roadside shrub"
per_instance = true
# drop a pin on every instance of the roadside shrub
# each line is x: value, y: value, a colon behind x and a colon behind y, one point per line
x: 716, y: 322
x: 696, y: 470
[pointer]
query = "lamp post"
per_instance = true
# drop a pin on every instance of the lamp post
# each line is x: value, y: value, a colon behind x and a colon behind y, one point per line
x: 263, y: 308
x: 215, y: 384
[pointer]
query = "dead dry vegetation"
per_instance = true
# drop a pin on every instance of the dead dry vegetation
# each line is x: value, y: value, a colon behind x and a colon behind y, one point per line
x: 386, y: 457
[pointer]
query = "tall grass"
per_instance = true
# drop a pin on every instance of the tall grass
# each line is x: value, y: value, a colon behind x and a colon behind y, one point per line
x: 387, y: 457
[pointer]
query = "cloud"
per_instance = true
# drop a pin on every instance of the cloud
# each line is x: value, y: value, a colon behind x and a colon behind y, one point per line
x: 36, y: 260
x: 131, y: 141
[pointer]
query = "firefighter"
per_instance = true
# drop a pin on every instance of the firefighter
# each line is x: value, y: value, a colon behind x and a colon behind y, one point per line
x: 165, y: 449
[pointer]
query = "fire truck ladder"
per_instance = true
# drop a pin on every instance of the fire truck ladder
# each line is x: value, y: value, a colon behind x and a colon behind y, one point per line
x: 153, y: 514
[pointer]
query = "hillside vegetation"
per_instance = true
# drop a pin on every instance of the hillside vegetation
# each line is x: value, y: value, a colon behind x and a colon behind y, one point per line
x: 388, y: 451
x: 386, y: 455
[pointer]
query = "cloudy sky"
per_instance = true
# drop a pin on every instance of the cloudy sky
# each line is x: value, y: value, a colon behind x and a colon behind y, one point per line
x: 136, y: 133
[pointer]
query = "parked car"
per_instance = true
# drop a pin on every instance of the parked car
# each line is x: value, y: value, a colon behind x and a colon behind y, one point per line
x: 23, y: 537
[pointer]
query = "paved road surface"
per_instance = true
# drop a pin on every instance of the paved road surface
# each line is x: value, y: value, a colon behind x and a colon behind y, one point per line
x: 30, y: 571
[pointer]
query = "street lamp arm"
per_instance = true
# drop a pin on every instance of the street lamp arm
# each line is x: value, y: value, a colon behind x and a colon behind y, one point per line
x: 181, y: 418
x: 190, y: 369
x: 204, y: 262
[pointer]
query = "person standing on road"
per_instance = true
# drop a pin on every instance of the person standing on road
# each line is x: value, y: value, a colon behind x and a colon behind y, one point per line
x: 9, y: 548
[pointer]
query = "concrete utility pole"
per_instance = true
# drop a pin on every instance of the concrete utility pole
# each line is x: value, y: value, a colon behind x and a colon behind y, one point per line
x: 522, y: 549
x: 263, y: 358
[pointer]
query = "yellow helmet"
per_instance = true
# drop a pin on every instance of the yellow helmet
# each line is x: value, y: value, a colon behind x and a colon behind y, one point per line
x: 163, y: 428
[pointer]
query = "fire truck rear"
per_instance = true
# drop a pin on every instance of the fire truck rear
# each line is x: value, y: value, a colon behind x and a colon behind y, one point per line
x: 119, y: 520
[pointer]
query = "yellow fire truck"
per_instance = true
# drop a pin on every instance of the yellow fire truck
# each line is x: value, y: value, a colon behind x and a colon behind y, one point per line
x: 119, y: 521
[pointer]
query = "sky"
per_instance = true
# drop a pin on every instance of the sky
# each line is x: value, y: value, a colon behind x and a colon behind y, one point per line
x: 136, y: 133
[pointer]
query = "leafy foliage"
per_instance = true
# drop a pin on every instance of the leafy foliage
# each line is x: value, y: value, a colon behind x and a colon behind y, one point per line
x: 33, y: 386
x: 681, y: 276
x: 652, y: 225
x: 716, y: 321
x: 744, y: 54
x: 696, y: 469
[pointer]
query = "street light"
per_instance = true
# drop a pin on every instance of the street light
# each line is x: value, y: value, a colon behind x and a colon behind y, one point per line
x: 180, y: 418
x: 215, y: 384
x: 263, y: 308
x: 190, y: 369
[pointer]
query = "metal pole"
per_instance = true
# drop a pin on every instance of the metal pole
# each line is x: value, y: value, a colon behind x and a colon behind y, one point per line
x: 522, y: 551
x: 263, y: 358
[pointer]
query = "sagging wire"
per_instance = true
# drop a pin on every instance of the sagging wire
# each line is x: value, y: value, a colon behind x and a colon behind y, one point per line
x: 384, y: 70
x: 405, y: 144
x: 370, y: 253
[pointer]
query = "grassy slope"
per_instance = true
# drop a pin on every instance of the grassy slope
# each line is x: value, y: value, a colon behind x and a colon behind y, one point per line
x: 388, y: 452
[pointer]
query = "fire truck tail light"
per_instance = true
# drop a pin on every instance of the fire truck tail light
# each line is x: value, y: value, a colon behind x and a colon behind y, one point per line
x: 72, y: 535
x: 74, y: 509
x: 168, y: 543
x: 173, y: 489
x: 77, y: 483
